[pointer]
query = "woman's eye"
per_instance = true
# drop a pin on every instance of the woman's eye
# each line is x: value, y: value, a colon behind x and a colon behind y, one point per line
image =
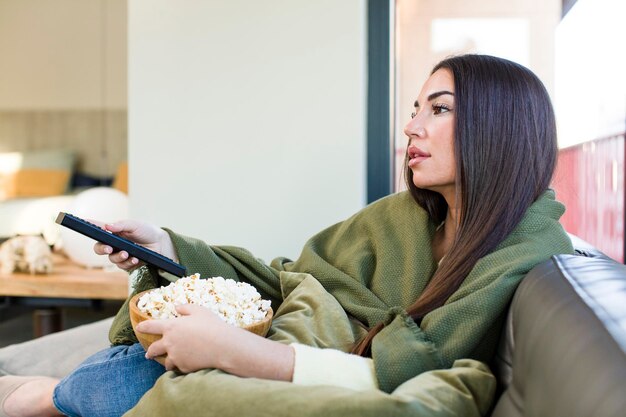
x: 440, y: 108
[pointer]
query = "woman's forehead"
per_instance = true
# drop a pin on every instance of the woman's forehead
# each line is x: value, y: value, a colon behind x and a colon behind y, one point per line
x: 440, y: 81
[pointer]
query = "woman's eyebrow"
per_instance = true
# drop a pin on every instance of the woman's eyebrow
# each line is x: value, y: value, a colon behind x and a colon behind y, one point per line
x: 434, y: 96
x: 439, y: 93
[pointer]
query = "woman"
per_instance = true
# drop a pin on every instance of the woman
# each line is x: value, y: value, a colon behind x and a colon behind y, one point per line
x: 429, y: 281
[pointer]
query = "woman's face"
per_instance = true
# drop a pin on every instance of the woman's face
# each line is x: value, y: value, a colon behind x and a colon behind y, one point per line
x: 431, y: 136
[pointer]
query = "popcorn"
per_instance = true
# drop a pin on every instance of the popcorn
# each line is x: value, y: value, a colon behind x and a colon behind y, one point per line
x: 237, y: 303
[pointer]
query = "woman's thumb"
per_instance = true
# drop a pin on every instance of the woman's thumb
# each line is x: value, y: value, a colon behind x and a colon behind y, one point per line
x: 187, y: 309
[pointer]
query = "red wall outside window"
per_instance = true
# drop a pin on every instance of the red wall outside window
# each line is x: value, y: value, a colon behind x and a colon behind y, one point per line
x: 589, y: 180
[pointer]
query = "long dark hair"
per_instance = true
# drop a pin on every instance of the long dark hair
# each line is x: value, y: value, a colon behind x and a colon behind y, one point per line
x: 505, y: 151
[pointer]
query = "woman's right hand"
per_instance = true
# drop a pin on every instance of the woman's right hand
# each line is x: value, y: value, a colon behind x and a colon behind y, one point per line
x: 142, y: 233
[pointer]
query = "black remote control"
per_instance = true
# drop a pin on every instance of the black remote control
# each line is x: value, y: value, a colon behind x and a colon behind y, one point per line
x: 119, y: 243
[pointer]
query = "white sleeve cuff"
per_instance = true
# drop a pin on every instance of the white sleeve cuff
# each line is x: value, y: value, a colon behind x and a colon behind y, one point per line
x: 314, y: 366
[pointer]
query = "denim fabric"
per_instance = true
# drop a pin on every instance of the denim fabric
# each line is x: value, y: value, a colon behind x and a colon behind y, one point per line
x: 108, y: 383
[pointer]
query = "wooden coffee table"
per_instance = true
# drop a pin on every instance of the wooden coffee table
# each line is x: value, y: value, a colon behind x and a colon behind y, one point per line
x: 67, y: 281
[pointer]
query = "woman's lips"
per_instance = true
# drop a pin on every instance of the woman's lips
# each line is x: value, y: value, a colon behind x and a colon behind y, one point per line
x: 416, y: 155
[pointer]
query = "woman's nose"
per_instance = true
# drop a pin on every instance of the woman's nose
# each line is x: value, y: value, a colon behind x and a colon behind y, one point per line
x: 414, y: 128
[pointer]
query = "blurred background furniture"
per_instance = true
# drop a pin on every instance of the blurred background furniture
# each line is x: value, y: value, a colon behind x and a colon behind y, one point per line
x: 68, y: 285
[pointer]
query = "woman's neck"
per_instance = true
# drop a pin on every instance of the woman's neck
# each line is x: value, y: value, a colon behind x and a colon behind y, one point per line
x: 445, y: 234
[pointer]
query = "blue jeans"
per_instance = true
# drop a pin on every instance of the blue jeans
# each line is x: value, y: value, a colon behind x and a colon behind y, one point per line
x: 107, y: 384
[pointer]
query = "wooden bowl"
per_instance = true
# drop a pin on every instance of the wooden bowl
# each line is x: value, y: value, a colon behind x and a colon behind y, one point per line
x: 137, y: 316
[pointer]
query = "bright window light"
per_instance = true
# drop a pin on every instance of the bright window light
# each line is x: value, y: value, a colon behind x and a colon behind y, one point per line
x: 504, y: 37
x: 590, y: 87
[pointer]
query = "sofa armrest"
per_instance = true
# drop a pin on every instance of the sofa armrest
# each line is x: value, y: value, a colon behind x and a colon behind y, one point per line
x: 567, y: 336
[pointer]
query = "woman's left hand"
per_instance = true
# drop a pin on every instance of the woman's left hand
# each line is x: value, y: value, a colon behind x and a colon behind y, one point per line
x: 189, y: 340
x: 199, y: 339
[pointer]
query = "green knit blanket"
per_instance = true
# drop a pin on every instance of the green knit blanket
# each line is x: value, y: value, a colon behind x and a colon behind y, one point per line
x: 368, y: 269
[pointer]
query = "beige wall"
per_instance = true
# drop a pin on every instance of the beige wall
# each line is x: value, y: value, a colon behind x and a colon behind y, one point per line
x: 62, y: 54
x: 63, y: 79
x: 246, y: 119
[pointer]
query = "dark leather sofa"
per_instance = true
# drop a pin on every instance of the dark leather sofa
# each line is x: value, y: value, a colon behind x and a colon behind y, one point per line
x: 563, y: 351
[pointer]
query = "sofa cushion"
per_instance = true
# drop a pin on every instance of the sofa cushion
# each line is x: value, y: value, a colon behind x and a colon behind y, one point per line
x: 70, y: 348
x: 35, y: 173
x: 567, y: 338
x: 34, y: 183
x: 584, y: 248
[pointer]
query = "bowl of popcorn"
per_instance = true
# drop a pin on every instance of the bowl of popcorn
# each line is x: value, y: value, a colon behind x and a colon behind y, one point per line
x: 237, y: 303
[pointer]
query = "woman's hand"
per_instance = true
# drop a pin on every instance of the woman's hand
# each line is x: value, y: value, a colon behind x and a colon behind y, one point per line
x: 142, y: 233
x: 199, y: 339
